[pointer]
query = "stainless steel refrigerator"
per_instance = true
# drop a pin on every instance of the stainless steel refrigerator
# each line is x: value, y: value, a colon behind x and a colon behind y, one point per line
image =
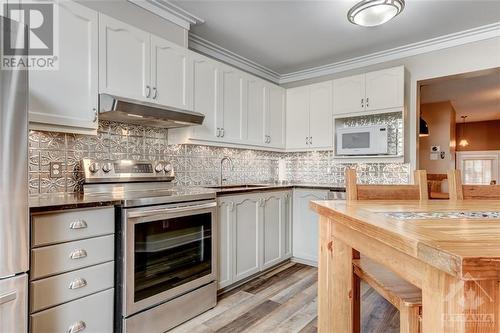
x: 14, y: 215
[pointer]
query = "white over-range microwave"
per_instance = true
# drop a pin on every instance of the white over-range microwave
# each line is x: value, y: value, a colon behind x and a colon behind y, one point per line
x: 366, y: 140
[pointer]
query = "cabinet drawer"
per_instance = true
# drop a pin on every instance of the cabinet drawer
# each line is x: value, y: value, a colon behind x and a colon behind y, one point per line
x: 65, y: 257
x: 94, y: 312
x: 71, y: 225
x: 69, y: 286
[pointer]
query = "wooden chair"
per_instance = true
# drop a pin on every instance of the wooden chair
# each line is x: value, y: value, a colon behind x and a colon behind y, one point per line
x: 355, y: 191
x: 458, y: 191
x: 403, y: 295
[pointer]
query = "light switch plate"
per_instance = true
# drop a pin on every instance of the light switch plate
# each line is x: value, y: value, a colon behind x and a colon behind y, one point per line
x: 56, y: 169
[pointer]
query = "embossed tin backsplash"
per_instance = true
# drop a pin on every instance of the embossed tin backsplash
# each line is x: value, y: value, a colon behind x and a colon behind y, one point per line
x: 194, y: 164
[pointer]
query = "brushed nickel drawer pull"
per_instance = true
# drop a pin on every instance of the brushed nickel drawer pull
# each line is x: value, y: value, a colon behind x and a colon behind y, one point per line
x: 78, y: 224
x: 78, y: 254
x: 77, y: 283
x: 77, y: 327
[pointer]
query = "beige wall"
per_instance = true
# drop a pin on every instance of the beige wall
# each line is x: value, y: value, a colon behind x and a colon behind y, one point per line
x: 465, y: 58
x: 482, y: 135
x: 440, y: 118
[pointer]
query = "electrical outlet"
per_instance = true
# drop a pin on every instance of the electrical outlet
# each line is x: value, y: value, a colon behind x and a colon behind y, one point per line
x: 56, y: 169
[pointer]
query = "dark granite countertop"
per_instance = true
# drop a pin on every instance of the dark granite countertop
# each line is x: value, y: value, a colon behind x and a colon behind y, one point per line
x: 61, y: 201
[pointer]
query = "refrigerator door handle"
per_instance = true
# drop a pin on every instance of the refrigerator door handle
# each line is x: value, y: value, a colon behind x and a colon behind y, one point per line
x: 8, y: 297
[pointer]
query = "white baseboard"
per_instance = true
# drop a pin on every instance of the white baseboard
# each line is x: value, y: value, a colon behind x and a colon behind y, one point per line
x: 308, y: 262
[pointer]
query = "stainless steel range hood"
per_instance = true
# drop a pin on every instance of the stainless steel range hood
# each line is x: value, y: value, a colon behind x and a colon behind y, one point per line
x: 125, y: 110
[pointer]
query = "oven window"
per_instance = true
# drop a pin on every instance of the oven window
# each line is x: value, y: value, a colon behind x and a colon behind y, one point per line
x: 356, y: 140
x: 171, y: 252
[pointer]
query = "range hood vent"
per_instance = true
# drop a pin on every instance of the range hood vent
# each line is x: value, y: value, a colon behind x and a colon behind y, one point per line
x: 131, y: 111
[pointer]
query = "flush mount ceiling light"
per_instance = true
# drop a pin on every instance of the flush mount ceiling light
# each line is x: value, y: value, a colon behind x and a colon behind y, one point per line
x: 370, y: 13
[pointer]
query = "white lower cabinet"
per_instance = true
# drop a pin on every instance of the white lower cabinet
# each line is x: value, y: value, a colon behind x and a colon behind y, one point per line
x: 254, y: 234
x: 247, y: 223
x: 305, y: 225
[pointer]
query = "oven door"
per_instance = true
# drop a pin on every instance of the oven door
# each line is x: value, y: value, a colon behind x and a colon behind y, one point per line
x: 168, y: 250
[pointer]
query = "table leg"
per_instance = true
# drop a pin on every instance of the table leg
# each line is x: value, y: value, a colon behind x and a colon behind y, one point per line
x: 335, y: 306
x: 453, y: 305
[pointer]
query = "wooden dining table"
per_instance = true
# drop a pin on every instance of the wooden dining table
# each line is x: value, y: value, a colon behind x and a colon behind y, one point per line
x: 448, y: 249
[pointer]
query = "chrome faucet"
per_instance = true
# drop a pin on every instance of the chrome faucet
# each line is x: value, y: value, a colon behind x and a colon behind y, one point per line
x: 225, y: 158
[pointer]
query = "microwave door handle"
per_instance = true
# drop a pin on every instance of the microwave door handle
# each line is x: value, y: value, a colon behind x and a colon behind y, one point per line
x: 144, y: 213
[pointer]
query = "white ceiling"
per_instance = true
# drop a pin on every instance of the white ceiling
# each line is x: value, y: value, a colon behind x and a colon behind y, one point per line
x: 478, y: 98
x: 286, y: 36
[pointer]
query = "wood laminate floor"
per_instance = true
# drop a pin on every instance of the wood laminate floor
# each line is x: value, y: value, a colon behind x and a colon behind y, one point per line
x: 284, y: 300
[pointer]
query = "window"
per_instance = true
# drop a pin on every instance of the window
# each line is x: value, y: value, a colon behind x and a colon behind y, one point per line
x: 477, y: 172
x: 478, y: 168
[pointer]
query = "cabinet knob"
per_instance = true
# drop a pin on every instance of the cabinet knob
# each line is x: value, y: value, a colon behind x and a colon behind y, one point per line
x: 362, y: 103
x: 367, y: 102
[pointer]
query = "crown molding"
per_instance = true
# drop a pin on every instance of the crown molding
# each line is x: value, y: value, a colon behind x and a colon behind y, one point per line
x: 218, y: 52
x: 434, y: 44
x: 446, y: 41
x: 169, y: 11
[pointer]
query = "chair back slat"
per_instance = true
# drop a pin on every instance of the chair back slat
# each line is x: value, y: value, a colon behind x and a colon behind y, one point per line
x: 458, y: 191
x: 355, y: 191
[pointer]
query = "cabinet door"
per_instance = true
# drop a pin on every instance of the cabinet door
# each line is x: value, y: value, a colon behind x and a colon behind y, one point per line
x: 226, y: 244
x: 205, y: 97
x: 275, y: 116
x: 232, y: 104
x: 124, y: 60
x: 65, y: 100
x: 297, y: 117
x: 272, y: 228
x: 246, y: 224
x: 256, y: 100
x: 171, y: 74
x: 320, y: 115
x: 349, y: 94
x: 385, y: 89
x: 305, y: 224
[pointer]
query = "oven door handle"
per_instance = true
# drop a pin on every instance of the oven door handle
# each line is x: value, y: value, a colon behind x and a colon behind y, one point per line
x: 145, y: 213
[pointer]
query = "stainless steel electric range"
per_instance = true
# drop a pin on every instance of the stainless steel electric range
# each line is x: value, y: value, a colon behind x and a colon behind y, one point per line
x: 166, y: 244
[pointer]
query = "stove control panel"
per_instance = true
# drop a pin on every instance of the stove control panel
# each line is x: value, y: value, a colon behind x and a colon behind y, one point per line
x: 102, y: 171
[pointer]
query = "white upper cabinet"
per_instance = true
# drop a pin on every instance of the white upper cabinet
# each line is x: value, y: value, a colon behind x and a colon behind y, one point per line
x: 309, y: 117
x: 256, y: 105
x: 385, y: 89
x: 232, y: 104
x: 171, y: 74
x: 320, y: 115
x: 205, y: 97
x: 349, y: 94
x: 65, y: 100
x: 124, y: 59
x: 275, y: 116
x: 372, y: 91
x: 297, y: 117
